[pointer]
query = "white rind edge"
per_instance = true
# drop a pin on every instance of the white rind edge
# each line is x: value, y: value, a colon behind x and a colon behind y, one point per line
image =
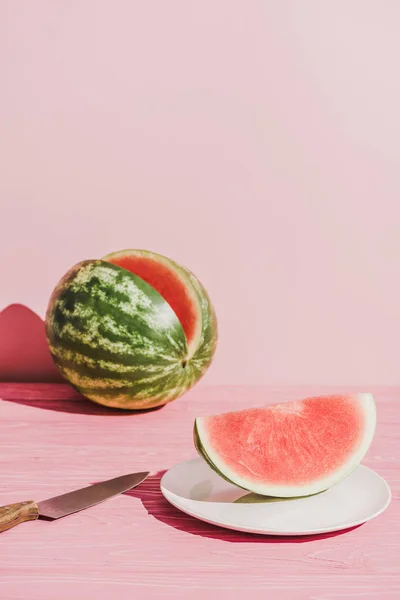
x: 367, y: 403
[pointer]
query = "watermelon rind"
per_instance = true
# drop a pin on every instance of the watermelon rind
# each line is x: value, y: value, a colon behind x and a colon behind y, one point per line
x: 269, y: 488
x: 116, y: 340
x: 200, y: 449
x: 203, y: 346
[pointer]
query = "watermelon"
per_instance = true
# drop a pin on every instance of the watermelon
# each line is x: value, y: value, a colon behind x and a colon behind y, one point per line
x: 133, y: 330
x: 289, y: 449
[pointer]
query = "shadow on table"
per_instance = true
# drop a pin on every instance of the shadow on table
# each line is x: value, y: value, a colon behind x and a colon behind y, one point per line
x: 24, y: 352
x: 158, y: 507
x: 28, y: 375
x: 61, y: 398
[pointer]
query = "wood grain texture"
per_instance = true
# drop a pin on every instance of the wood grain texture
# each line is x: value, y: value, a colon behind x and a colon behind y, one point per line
x: 17, y: 513
x: 138, y: 546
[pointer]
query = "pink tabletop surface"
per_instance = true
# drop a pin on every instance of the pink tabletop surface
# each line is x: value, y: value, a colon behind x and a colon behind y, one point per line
x: 138, y: 546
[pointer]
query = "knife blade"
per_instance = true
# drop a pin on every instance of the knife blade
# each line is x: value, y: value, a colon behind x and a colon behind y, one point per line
x: 66, y: 504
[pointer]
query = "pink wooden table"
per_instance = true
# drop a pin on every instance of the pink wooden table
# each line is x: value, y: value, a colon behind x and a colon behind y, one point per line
x: 138, y: 546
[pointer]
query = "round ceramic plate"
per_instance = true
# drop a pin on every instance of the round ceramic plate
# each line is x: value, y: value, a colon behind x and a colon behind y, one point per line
x: 196, y: 490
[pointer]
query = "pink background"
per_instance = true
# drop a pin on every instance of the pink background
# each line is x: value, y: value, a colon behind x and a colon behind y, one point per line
x: 257, y: 142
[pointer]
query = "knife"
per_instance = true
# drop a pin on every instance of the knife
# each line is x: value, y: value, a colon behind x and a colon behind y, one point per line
x: 69, y: 503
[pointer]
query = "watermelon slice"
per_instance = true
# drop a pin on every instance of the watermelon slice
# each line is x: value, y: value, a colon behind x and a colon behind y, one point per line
x: 289, y: 449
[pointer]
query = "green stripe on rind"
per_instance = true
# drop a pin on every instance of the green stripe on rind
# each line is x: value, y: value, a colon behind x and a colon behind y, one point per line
x: 205, y: 347
x: 112, y: 317
x: 209, y: 334
x: 200, y: 357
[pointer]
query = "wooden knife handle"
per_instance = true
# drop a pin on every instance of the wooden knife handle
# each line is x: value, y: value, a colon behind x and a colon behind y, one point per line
x: 14, y: 514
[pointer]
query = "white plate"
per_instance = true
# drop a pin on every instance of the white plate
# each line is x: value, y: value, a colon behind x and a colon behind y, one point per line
x: 196, y: 490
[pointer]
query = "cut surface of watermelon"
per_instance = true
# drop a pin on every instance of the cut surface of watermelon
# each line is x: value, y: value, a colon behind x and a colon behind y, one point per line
x: 291, y: 448
x: 171, y: 281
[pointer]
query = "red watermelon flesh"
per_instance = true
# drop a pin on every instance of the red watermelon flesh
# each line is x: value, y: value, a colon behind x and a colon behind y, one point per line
x: 291, y: 448
x: 169, y: 281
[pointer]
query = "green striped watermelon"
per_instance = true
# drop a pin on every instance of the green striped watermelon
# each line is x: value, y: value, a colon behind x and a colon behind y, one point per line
x: 133, y: 330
